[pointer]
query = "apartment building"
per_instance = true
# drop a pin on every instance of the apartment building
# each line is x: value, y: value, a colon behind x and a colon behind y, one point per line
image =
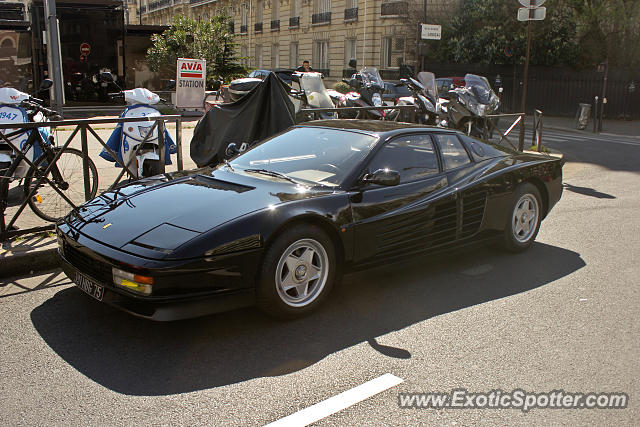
x: 282, y: 33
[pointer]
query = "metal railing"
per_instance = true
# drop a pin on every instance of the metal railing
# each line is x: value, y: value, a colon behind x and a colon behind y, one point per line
x: 294, y: 22
x: 83, y: 127
x: 321, y: 18
x: 351, y: 14
x: 275, y: 24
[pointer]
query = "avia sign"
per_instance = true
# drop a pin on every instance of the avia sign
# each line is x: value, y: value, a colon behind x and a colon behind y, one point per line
x: 190, y: 82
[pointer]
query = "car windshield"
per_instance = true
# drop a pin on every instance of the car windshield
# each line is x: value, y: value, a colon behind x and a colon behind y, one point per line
x: 371, y: 77
x: 311, y: 155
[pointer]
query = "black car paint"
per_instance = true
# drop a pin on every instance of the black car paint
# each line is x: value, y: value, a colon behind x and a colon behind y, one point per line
x: 233, y: 217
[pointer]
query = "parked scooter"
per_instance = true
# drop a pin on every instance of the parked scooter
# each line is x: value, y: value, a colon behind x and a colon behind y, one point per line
x: 14, y: 110
x: 368, y: 87
x: 312, y: 94
x: 425, y: 100
x: 126, y: 137
x: 469, y: 105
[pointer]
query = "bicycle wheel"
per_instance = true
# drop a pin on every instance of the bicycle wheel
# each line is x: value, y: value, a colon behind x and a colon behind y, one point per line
x: 46, y: 202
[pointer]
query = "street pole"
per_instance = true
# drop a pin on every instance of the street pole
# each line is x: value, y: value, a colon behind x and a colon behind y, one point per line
x: 523, y: 103
x: 53, y: 54
x: 604, y: 93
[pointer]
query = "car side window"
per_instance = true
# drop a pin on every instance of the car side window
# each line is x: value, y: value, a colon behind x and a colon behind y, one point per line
x: 453, y: 153
x: 412, y: 156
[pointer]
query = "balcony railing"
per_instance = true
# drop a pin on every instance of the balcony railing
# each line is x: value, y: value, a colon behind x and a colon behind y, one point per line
x: 258, y: 27
x: 232, y: 27
x: 294, y: 22
x: 395, y: 8
x: 351, y: 14
x: 321, y: 18
x: 243, y: 29
x: 143, y: 9
x: 159, y: 4
x: 275, y: 24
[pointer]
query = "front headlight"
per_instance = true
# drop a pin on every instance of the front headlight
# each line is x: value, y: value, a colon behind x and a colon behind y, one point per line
x: 377, y: 99
x: 477, y: 109
x: 144, y: 130
x: 132, y: 282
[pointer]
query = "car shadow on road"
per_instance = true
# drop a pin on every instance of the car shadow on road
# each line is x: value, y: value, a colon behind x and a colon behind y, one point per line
x: 138, y: 357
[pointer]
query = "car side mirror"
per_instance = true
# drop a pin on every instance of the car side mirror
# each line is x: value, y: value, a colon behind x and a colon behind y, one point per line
x: 232, y: 150
x: 353, y: 63
x: 386, y: 177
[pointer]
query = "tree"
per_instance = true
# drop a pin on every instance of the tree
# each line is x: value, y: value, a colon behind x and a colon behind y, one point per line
x: 188, y: 38
x: 482, y: 29
x: 608, y: 29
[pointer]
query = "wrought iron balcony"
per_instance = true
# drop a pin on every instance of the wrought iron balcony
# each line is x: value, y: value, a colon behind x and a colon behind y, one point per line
x: 258, y: 27
x: 351, y: 14
x: 395, y: 8
x: 294, y: 22
x: 159, y: 4
x: 232, y: 27
x: 275, y: 24
x: 243, y: 29
x: 321, y: 18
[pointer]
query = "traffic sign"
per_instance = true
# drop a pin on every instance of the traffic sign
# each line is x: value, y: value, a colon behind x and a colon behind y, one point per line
x: 532, y: 13
x: 431, y: 32
x: 532, y: 3
x: 190, y: 82
x: 85, y: 49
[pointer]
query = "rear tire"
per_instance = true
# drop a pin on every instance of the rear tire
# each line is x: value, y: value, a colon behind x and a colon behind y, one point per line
x: 298, y: 272
x: 523, y: 221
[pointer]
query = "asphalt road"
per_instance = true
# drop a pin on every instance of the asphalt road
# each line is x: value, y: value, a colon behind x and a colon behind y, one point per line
x: 564, y: 315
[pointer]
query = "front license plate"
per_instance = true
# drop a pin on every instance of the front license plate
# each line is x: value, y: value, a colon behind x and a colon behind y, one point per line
x: 89, y: 286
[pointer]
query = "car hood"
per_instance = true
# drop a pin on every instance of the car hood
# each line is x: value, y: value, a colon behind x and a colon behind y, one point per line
x: 169, y: 210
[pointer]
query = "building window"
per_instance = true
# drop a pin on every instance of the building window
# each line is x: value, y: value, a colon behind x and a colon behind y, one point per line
x: 387, y: 46
x: 275, y: 56
x: 321, y: 12
x: 244, y: 18
x: 244, y: 53
x: 352, y: 4
x: 349, y: 50
x: 259, y: 7
x: 321, y: 54
x: 295, y: 8
x: 293, y: 54
x: 258, y: 56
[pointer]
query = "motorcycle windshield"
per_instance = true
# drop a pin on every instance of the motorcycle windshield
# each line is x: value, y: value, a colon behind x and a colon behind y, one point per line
x: 371, y: 77
x: 316, y: 92
x: 480, y: 88
x: 428, y: 82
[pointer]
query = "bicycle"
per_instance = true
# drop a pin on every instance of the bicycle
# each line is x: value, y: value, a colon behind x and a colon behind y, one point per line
x: 54, y: 182
x: 214, y: 96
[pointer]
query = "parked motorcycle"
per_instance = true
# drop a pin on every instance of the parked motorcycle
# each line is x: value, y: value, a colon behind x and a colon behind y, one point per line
x: 425, y: 100
x: 312, y: 94
x: 469, y: 105
x: 127, y: 137
x: 368, y: 87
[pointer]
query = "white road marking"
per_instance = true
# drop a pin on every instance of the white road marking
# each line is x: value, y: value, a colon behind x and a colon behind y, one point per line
x: 338, y: 402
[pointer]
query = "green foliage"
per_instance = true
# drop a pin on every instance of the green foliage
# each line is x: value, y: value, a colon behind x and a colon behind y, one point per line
x: 577, y: 33
x: 482, y: 29
x: 188, y: 38
x: 342, y: 87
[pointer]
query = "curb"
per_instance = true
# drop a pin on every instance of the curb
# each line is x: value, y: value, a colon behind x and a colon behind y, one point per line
x: 29, y: 263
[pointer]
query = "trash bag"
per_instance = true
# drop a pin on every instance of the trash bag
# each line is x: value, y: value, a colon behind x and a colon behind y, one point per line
x: 263, y: 112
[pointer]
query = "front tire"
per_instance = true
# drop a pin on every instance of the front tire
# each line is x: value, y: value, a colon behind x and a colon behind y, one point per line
x: 524, y: 218
x: 298, y: 272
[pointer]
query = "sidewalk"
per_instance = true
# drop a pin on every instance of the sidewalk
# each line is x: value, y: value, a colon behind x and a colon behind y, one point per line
x: 38, y: 252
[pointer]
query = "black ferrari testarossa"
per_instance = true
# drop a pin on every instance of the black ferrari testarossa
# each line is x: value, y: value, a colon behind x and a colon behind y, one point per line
x: 278, y: 224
